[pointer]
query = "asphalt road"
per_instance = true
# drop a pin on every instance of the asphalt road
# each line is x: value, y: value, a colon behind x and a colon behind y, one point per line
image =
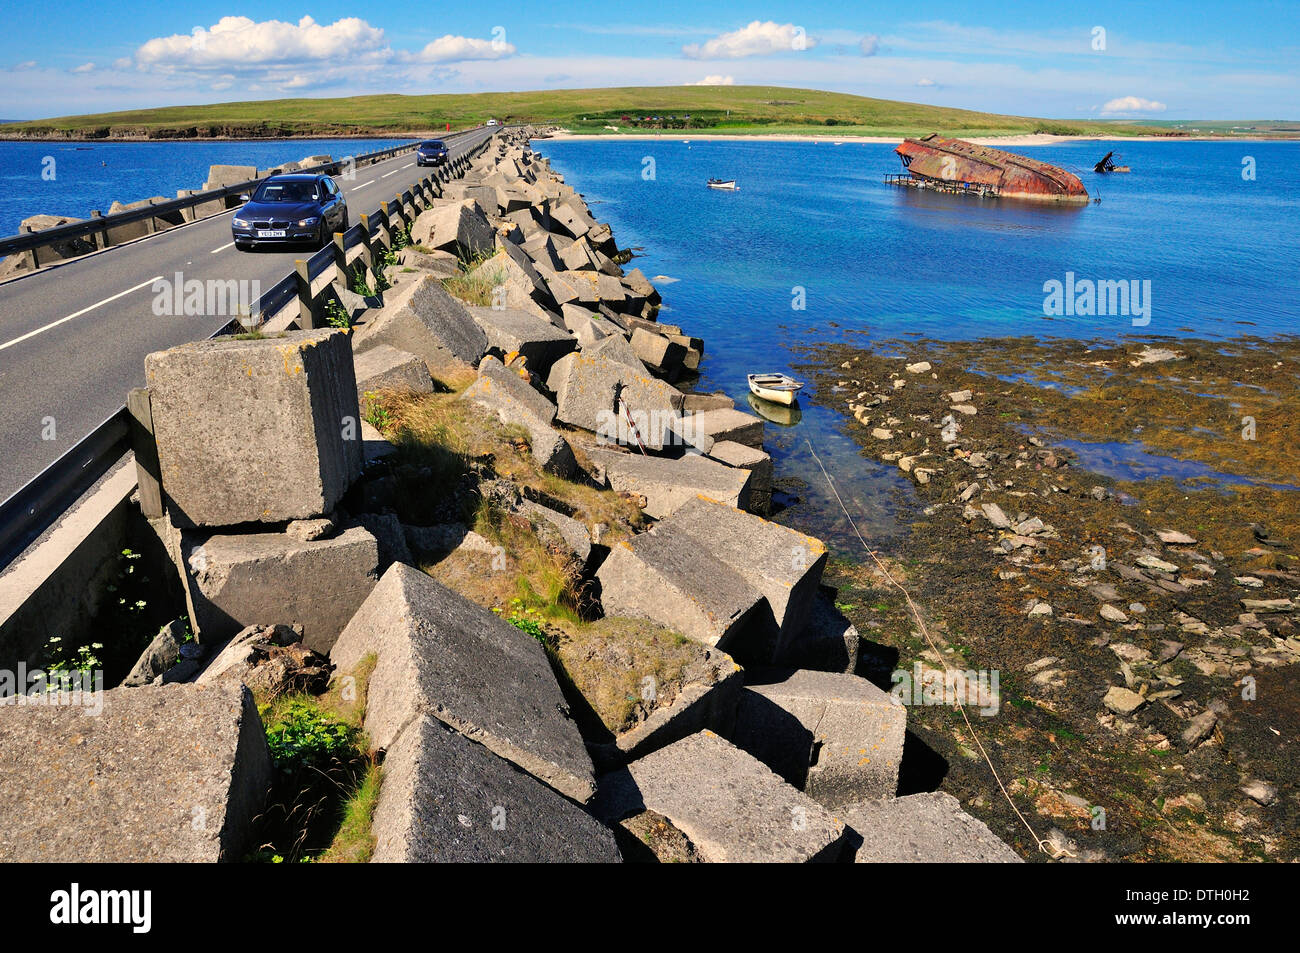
x: 73, y: 337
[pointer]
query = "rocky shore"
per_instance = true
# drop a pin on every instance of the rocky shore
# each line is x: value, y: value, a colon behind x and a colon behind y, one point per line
x: 1144, y: 617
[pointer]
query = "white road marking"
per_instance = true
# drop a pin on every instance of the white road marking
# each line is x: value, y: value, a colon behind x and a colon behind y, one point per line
x: 221, y: 249
x: 394, y: 172
x: 364, y: 184
x: 55, y: 324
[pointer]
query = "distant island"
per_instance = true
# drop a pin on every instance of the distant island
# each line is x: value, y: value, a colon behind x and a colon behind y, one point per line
x: 729, y: 110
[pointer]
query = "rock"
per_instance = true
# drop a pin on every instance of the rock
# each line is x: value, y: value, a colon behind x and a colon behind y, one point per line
x: 459, y: 227
x: 511, y: 331
x: 447, y: 799
x: 922, y: 828
x: 667, y: 484
x: 731, y: 806
x: 919, y: 368
x: 1111, y: 614
x: 234, y: 580
x: 162, y: 775
x: 1267, y: 605
x: 439, y: 654
x: 759, y: 465
x: 880, y: 433
x: 1261, y: 792
x: 255, y: 430
x: 668, y: 578
x: 1200, y: 728
x: 162, y: 653
x: 386, y: 368
x: 598, y: 394
x: 1174, y: 538
x: 423, y: 319
x: 1154, y: 355
x: 559, y: 531
x: 663, y: 356
x: 781, y: 563
x: 1040, y: 609
x: 514, y: 401
x: 960, y: 396
x: 1122, y: 701
x: 308, y: 530
x: 837, y: 737
x: 993, y: 513
x: 1156, y: 563
x: 271, y: 661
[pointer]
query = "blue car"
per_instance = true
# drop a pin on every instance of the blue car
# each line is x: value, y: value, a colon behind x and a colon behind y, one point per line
x: 291, y: 208
x: 431, y: 152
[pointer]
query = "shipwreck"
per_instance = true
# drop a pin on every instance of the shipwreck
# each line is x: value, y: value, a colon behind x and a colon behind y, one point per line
x: 956, y: 166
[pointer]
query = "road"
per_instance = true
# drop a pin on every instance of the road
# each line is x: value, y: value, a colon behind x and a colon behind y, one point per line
x: 73, y: 337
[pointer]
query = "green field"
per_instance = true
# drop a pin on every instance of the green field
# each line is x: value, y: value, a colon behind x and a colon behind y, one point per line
x: 736, y: 110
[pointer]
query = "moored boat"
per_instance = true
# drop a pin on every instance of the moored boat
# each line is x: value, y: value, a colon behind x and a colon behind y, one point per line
x: 728, y: 185
x: 777, y: 388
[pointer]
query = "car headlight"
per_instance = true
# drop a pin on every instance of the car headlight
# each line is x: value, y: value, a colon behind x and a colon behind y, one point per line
x: 240, y: 223
x: 308, y: 222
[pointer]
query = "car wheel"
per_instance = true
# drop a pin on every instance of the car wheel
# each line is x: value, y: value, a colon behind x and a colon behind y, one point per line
x: 344, y: 226
x: 322, y: 236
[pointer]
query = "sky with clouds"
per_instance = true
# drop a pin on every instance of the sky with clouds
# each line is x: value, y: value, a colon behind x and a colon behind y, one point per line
x: 1193, y: 59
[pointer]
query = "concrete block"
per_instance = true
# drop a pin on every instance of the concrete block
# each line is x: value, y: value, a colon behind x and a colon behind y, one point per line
x: 514, y: 401
x: 446, y: 799
x: 731, y: 807
x: 922, y: 828
x: 598, y: 394
x: 837, y: 737
x: 668, y: 578
x: 127, y: 786
x: 441, y: 655
x: 782, y: 563
x: 759, y: 465
x: 255, y: 430
x: 723, y: 424
x: 665, y: 484
x: 423, y: 319
x: 458, y: 227
x: 512, y: 331
x: 386, y: 368
x: 238, y: 580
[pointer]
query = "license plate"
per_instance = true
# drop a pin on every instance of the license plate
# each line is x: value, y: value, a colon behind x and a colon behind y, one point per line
x: 271, y: 233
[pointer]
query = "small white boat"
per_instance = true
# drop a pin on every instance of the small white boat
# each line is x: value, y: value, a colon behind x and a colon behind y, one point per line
x: 778, y: 388
x: 727, y: 184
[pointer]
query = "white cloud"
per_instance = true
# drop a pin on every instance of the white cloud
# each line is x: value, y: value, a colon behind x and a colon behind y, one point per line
x: 925, y: 81
x: 869, y: 45
x: 24, y: 65
x: 759, y: 38
x: 715, y: 79
x: 457, y: 49
x: 1131, y: 104
x: 83, y: 68
x: 239, y: 42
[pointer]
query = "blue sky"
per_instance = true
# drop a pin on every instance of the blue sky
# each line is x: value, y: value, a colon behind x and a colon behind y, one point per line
x: 1194, y: 59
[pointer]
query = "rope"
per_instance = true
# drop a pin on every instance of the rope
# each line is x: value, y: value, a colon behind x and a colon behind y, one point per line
x: 1043, y: 845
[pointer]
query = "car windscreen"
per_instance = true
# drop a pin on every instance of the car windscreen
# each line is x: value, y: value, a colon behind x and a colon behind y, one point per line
x: 432, y: 144
x: 286, y: 192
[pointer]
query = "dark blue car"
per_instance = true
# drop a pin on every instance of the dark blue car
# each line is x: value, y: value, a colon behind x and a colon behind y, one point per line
x: 431, y: 152
x: 291, y: 208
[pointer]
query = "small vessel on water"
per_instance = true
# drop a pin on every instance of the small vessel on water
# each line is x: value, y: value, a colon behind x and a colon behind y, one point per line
x: 728, y: 185
x: 777, y: 388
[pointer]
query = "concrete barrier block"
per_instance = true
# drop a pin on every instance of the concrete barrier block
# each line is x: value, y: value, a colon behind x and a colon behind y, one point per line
x: 663, y: 356
x: 422, y: 318
x: 512, y: 331
x: 446, y: 799
x: 127, y: 786
x: 666, y: 484
x: 837, y: 737
x: 598, y: 394
x: 386, y: 368
x: 668, y: 578
x: 731, y: 806
x: 759, y: 465
x: 728, y: 424
x: 439, y: 654
x: 459, y: 227
x: 255, y: 430
x: 922, y: 828
x: 238, y: 580
x: 514, y: 401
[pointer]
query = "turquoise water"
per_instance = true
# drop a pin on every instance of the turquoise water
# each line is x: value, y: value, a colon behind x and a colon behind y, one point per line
x: 93, y: 175
x: 878, y: 262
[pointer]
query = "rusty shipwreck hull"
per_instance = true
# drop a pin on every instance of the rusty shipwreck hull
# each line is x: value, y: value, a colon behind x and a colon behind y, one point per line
x: 948, y: 162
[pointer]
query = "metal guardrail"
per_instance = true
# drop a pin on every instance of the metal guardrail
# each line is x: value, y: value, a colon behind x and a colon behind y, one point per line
x: 29, y: 241
x: 30, y: 511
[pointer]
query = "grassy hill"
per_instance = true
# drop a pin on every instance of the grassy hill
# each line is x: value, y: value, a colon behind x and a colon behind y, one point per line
x: 719, y: 109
